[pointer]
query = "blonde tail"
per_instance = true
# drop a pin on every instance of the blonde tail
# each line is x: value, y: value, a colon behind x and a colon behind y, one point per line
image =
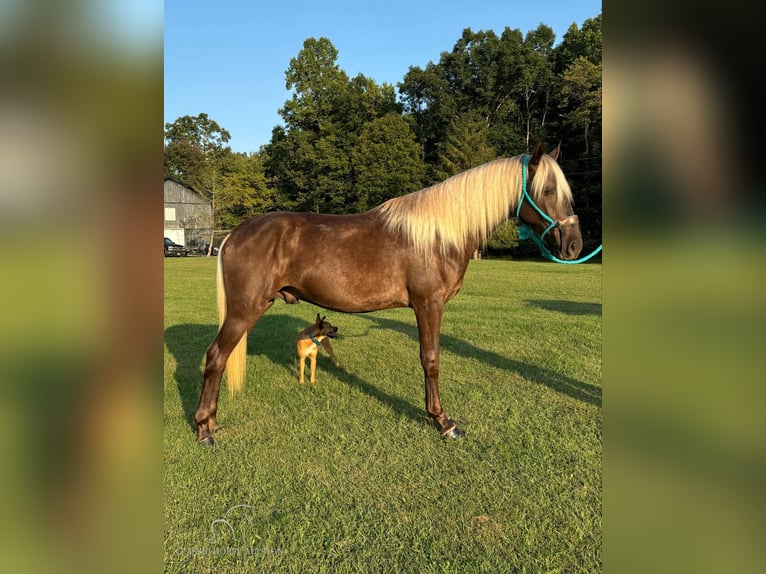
x: 236, y: 363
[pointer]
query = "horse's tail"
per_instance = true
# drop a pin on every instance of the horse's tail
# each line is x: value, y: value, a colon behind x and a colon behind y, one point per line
x: 235, y: 364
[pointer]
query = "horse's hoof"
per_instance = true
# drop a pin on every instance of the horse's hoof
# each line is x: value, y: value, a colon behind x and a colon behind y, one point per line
x: 207, y: 441
x: 454, y: 432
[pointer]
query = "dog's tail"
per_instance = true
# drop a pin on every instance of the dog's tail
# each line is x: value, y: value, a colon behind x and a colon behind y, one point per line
x: 237, y: 361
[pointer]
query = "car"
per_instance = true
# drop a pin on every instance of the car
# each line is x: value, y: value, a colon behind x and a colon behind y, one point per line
x: 201, y: 248
x: 172, y: 249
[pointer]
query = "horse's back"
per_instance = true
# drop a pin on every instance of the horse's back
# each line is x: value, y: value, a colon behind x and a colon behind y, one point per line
x: 311, y: 235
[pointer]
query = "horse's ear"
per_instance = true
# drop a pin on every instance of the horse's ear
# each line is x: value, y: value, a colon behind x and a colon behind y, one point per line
x: 539, y: 151
x: 555, y: 152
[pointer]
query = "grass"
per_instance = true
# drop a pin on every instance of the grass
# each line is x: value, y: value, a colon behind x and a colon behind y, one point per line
x: 349, y: 475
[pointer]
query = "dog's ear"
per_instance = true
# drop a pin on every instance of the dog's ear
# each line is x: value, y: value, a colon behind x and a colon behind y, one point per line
x: 318, y: 319
x: 324, y: 317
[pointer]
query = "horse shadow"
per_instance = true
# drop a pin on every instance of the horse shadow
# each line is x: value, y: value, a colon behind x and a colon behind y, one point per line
x: 273, y: 337
x: 187, y: 343
x: 575, y: 389
x: 568, y: 307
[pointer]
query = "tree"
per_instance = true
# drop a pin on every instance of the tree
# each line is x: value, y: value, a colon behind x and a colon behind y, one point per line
x: 585, y: 41
x: 506, y: 236
x: 243, y: 190
x: 537, y: 74
x: 317, y: 81
x: 315, y: 159
x: 467, y: 146
x: 308, y: 157
x: 234, y: 183
x: 363, y: 101
x: 581, y: 96
x: 194, y: 147
x: 504, y: 80
x: 193, y: 144
x: 430, y: 103
x: 467, y: 80
x: 576, y: 119
x: 387, y: 161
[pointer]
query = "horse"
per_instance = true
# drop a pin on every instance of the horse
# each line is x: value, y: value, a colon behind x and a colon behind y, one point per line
x: 410, y: 251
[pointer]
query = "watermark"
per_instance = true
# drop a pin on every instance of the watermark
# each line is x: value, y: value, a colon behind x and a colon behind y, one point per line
x: 223, y: 528
x: 230, y: 534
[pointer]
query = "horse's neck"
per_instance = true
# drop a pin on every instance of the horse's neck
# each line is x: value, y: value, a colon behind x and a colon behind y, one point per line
x: 473, y: 245
x: 463, y: 258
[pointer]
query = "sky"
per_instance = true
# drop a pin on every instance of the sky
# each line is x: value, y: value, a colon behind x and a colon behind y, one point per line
x: 227, y: 58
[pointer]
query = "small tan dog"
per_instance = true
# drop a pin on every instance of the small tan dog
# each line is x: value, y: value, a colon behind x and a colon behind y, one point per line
x: 308, y: 344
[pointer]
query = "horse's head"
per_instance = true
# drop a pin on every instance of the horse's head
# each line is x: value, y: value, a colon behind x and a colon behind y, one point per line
x: 548, y: 188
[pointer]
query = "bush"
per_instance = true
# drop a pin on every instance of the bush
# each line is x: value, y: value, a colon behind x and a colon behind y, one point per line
x: 505, y: 237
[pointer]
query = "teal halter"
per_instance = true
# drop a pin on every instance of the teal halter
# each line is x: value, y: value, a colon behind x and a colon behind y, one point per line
x: 526, y: 232
x: 314, y: 340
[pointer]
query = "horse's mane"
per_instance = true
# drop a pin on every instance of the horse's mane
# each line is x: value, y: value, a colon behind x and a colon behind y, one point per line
x: 468, y: 206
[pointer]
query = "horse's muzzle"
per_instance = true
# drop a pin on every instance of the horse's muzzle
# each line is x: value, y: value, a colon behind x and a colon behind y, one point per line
x: 571, y: 250
x: 570, y: 240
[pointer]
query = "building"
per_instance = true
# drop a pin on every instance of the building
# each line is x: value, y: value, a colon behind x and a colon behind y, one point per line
x: 188, y: 215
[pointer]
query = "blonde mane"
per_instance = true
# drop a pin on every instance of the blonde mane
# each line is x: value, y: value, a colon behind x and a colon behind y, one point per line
x: 467, y: 207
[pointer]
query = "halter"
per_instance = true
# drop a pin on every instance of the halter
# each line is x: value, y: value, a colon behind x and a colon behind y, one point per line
x: 526, y: 232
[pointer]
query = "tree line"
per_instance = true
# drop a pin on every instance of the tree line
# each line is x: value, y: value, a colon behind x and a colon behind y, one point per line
x: 348, y: 144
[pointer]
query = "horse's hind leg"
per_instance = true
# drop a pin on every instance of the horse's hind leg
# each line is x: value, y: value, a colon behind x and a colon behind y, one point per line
x: 228, y: 336
x: 230, y: 333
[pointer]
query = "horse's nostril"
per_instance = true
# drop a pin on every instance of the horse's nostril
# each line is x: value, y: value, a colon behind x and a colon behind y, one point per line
x: 574, y: 248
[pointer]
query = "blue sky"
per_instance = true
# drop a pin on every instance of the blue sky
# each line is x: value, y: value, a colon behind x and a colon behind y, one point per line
x: 228, y: 58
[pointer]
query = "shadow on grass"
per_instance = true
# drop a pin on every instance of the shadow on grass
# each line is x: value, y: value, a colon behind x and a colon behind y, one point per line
x: 188, y: 344
x: 273, y: 337
x: 568, y: 307
x: 578, y: 390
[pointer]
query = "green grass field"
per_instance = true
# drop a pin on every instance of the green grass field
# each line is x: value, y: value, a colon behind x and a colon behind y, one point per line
x: 349, y: 475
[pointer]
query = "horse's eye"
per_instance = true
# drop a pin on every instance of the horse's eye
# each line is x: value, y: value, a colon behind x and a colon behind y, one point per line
x: 549, y: 191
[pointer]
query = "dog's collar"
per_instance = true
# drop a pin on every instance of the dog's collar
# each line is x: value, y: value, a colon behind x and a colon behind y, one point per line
x: 317, y: 343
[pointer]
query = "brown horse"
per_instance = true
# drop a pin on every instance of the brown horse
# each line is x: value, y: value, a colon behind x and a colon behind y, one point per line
x: 411, y: 251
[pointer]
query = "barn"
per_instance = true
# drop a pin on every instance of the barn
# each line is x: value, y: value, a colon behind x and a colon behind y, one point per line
x: 188, y: 215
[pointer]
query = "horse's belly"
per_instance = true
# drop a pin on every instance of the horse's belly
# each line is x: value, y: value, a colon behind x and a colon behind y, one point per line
x: 354, y: 294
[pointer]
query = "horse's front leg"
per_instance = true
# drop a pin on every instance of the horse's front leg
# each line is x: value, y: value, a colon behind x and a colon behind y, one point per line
x: 429, y: 318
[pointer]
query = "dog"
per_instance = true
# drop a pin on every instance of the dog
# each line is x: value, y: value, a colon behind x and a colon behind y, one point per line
x: 308, y: 344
